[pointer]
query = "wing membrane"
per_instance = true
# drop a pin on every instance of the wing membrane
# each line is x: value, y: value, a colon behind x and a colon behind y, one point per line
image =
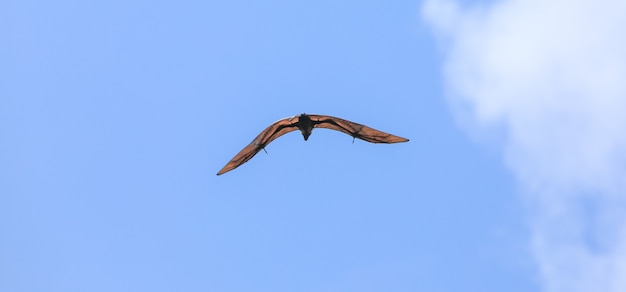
x: 268, y: 135
x: 355, y: 130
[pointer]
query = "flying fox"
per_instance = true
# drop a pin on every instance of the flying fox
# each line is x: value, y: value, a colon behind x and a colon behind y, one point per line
x: 306, y: 123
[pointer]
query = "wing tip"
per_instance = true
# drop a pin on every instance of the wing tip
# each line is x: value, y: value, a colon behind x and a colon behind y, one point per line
x: 223, y: 170
x: 398, y: 139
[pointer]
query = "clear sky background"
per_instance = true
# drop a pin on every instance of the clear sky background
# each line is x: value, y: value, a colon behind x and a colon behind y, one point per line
x: 116, y: 115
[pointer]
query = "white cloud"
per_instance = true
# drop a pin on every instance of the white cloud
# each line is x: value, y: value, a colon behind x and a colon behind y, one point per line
x: 552, y: 75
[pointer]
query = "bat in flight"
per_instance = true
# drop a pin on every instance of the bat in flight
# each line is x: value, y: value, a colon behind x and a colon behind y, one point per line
x: 305, y: 123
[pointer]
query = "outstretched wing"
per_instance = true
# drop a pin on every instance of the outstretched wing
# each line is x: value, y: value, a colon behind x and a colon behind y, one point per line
x: 268, y: 135
x: 354, y: 129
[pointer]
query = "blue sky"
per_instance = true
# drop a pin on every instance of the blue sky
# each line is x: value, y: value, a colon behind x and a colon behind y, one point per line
x: 115, y: 117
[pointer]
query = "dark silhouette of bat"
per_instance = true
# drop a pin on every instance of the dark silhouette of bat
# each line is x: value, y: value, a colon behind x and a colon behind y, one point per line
x: 305, y: 123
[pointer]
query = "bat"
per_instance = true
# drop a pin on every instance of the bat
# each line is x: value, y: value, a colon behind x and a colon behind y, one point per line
x: 306, y: 123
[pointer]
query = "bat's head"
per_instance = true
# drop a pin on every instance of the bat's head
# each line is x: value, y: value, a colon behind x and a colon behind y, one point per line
x: 305, y: 125
x: 306, y: 134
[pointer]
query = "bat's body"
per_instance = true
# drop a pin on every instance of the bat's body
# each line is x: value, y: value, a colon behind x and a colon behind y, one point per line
x: 305, y: 123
